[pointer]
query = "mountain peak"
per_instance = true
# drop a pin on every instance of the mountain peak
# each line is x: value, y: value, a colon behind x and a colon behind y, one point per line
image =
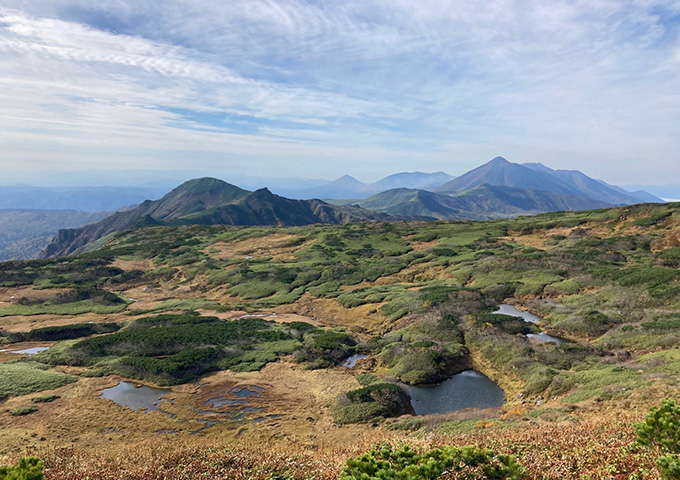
x: 347, y: 180
x: 202, y: 185
x: 498, y: 161
x: 500, y: 172
x: 206, y: 187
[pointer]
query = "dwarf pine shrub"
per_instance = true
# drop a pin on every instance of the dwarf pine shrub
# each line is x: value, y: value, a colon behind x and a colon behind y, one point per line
x: 661, y: 430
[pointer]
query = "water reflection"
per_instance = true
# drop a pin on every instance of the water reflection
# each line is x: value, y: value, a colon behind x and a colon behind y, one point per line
x: 136, y: 398
x: 506, y: 309
x: 469, y: 389
x: 351, y: 361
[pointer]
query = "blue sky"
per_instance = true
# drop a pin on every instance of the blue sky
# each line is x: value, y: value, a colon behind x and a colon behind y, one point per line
x: 317, y: 89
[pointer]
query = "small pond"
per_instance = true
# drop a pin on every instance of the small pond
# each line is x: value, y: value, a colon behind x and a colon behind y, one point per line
x: 32, y: 351
x: 126, y: 394
x: 351, y: 361
x: 544, y: 338
x: 506, y: 309
x: 25, y: 351
x: 469, y: 389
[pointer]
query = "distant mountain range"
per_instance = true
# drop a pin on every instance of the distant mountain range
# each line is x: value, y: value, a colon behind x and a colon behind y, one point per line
x: 497, y: 189
x: 482, y: 202
x: 347, y: 187
x: 500, y: 189
x: 536, y: 176
x: 667, y: 191
x: 209, y: 201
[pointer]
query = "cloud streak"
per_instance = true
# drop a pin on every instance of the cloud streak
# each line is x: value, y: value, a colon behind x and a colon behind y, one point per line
x: 317, y: 87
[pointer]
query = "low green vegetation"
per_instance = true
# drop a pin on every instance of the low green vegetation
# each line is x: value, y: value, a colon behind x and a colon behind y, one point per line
x: 323, y: 348
x: 427, y: 351
x: 373, y: 402
x: 23, y: 378
x: 45, y: 399
x: 58, y: 333
x: 606, y: 279
x: 73, y: 302
x: 21, y: 411
x: 507, y: 323
x: 177, y: 348
x: 404, y: 463
x: 661, y: 431
x: 30, y: 468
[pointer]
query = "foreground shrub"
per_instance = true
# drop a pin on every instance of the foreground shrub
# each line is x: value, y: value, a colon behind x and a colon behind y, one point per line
x: 661, y: 430
x: 403, y: 463
x: 26, y: 469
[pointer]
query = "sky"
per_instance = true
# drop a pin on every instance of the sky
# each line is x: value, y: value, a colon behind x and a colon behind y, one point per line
x: 318, y: 89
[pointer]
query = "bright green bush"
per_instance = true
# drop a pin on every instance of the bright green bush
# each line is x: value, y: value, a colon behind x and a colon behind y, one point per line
x: 661, y: 430
x: 26, y: 469
x: 403, y: 463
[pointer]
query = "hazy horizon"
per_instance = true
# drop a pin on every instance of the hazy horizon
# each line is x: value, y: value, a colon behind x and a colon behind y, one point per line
x: 318, y: 89
x: 144, y: 178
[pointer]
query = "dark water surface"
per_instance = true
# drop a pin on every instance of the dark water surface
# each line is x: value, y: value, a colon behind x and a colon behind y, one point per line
x: 544, y: 338
x: 127, y: 395
x: 469, y: 389
x: 506, y: 309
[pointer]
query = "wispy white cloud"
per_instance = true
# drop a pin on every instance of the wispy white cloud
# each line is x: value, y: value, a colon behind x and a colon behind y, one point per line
x: 295, y: 86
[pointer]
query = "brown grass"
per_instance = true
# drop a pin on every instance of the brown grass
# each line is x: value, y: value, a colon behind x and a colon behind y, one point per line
x: 269, y: 246
x: 329, y: 312
x: 128, y: 265
x: 601, y: 449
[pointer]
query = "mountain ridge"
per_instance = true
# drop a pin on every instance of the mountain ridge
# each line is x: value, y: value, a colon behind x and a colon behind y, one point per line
x: 500, y: 172
x: 483, y: 202
x: 209, y: 201
x: 348, y: 187
x: 536, y: 176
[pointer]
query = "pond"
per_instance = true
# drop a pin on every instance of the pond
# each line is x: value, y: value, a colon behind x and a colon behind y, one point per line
x: 26, y: 351
x: 351, y: 361
x: 544, y: 338
x: 506, y: 309
x: 136, y: 398
x: 32, y: 351
x: 469, y: 389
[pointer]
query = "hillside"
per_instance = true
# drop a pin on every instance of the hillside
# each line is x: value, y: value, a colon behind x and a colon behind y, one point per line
x: 208, y: 201
x: 596, y: 189
x: 24, y: 233
x: 248, y: 328
x: 483, y: 202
